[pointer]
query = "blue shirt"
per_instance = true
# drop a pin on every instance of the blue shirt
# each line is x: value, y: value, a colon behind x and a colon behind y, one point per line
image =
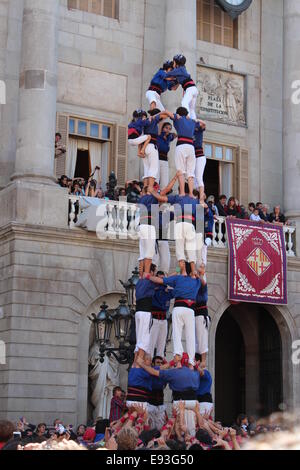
x: 185, y: 127
x: 185, y: 287
x: 184, y: 205
x: 198, y: 137
x: 151, y: 127
x: 180, y: 73
x: 157, y: 382
x: 160, y: 80
x: 139, y: 378
x: 205, y: 384
x: 202, y: 296
x: 161, y: 299
x: 138, y: 125
x: 208, y: 220
x: 163, y: 142
x: 148, y: 201
x: 181, y: 379
x: 144, y: 288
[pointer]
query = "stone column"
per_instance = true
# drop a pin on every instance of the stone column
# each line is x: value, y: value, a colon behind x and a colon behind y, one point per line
x: 291, y: 120
x: 38, y: 84
x: 181, y: 31
x: 180, y: 38
x: 11, y: 17
x: 33, y: 197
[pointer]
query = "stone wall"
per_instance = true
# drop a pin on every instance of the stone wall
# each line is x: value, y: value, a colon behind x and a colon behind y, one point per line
x: 51, y: 280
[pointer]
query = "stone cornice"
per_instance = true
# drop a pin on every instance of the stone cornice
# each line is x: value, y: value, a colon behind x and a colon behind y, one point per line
x: 89, y: 239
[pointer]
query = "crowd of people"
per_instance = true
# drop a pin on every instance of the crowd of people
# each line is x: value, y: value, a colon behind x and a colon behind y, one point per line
x: 128, y: 429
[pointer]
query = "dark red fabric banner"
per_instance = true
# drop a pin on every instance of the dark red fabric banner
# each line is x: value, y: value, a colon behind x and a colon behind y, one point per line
x: 257, y: 262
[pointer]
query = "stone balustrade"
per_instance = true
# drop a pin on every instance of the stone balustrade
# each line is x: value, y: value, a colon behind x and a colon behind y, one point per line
x: 122, y: 220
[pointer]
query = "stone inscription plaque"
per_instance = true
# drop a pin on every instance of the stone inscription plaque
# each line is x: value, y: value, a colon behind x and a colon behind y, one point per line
x: 221, y: 96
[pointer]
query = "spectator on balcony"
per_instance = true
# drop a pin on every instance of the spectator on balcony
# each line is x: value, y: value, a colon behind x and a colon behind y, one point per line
x: 60, y: 149
x: 91, y: 189
x: 211, y: 204
x: 100, y: 194
x: 251, y: 207
x: 64, y: 181
x: 221, y: 206
x: 133, y: 191
x: 122, y: 193
x: 255, y: 217
x: 277, y: 217
x: 264, y: 214
x: 76, y: 190
x: 231, y: 208
x: 240, y: 213
x: 245, y: 214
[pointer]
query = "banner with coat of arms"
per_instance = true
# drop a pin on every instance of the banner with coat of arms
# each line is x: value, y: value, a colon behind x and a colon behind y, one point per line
x: 257, y: 262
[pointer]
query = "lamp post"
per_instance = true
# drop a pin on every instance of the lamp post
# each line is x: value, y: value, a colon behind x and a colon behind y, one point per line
x: 130, y: 286
x: 122, y: 318
x: 103, y: 323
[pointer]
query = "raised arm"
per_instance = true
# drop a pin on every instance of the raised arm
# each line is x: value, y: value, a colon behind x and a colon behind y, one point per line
x: 169, y: 114
x: 155, y: 279
x: 170, y: 186
x: 148, y: 369
x: 159, y: 197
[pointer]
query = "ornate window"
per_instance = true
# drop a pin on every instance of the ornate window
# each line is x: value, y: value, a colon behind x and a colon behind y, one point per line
x: 109, y: 8
x: 89, y: 143
x: 227, y: 171
x: 214, y: 25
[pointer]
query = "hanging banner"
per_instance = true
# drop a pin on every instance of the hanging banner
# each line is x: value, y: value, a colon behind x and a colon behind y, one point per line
x: 257, y: 262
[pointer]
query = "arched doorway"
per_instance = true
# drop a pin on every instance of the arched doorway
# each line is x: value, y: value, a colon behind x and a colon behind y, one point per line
x: 230, y: 370
x: 248, y: 367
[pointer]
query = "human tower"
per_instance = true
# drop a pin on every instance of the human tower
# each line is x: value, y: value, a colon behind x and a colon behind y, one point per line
x: 152, y: 135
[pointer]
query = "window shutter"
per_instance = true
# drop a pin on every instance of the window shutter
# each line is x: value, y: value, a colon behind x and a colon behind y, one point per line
x: 84, y: 5
x: 96, y: 7
x: 243, y: 176
x: 121, y: 166
x: 62, y: 125
x: 72, y: 4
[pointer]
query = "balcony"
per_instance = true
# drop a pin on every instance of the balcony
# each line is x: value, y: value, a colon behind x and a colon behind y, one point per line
x: 115, y: 219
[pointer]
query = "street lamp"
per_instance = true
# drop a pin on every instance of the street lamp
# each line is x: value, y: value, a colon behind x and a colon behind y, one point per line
x: 103, y: 323
x: 122, y: 318
x: 130, y: 286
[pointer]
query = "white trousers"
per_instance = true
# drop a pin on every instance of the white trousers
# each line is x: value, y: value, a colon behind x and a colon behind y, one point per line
x: 206, y: 408
x: 158, y: 337
x: 184, y: 318
x: 163, y: 174
x: 189, y: 415
x: 200, y: 167
x: 201, y: 334
x: 143, y: 322
x: 185, y: 241
x: 190, y: 100
x: 156, y: 416
x: 147, y: 237
x: 151, y: 96
x: 162, y: 257
x: 201, y: 250
x: 185, y: 160
x: 138, y: 140
x: 151, y: 162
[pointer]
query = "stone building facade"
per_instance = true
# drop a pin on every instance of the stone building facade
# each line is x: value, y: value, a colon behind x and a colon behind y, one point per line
x: 82, y: 72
